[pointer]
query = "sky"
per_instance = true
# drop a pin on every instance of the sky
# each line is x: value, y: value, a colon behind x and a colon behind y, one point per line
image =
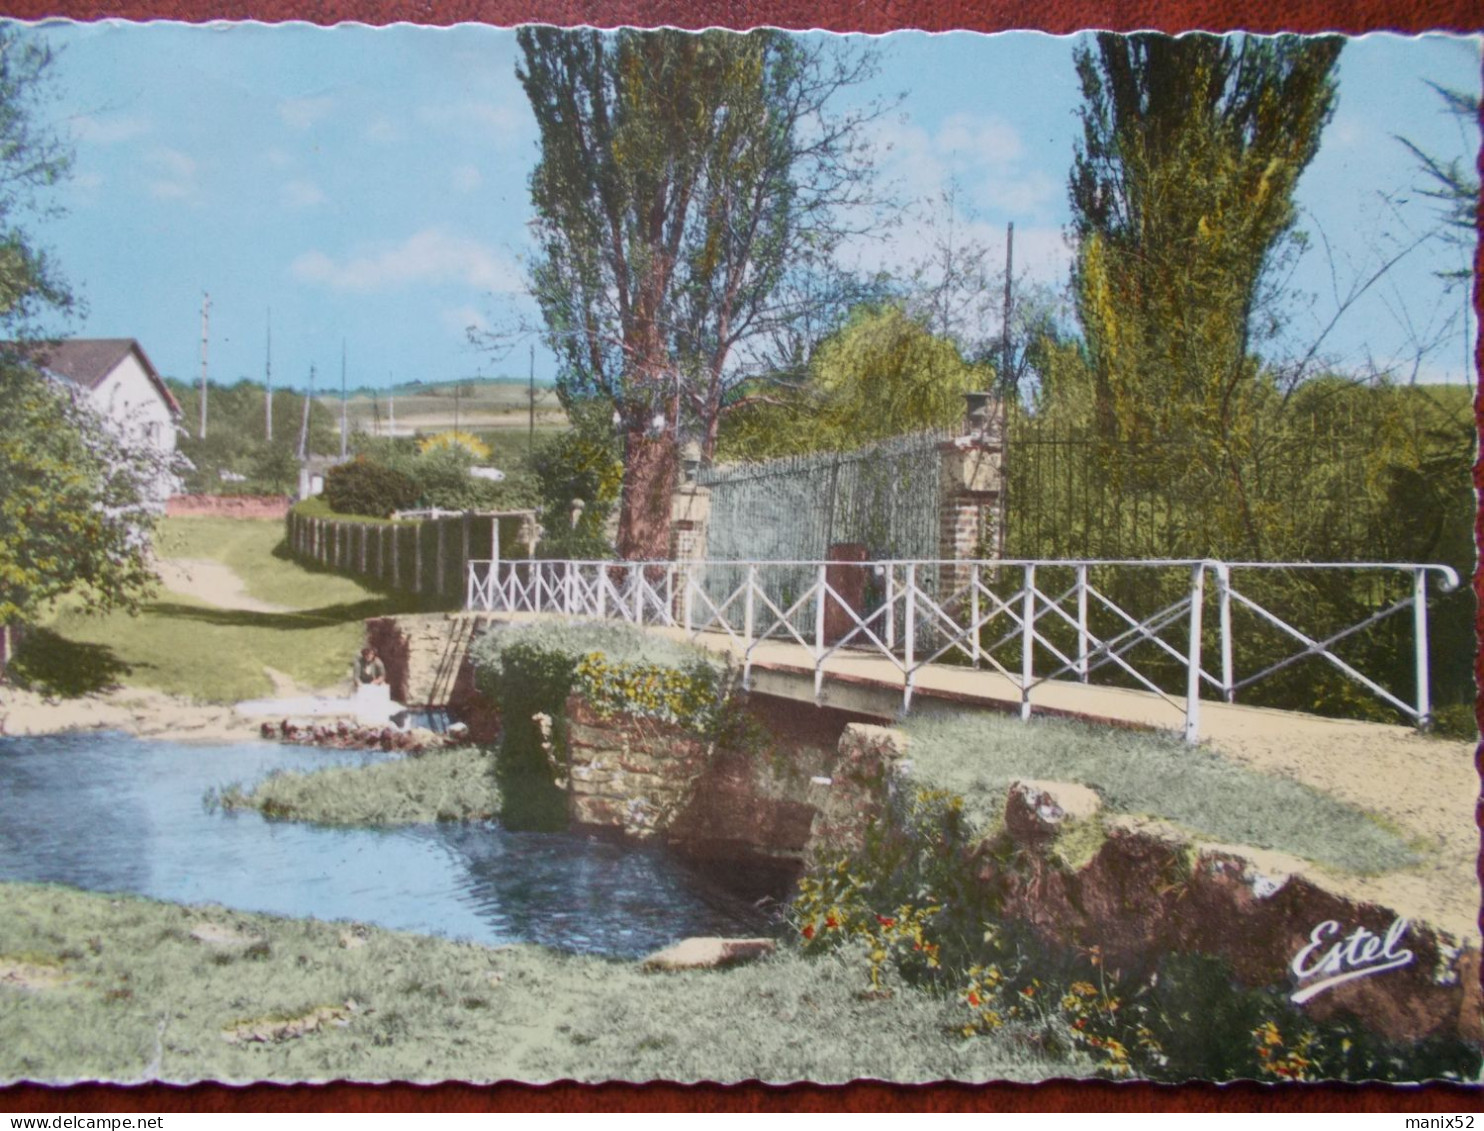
x: 365, y: 189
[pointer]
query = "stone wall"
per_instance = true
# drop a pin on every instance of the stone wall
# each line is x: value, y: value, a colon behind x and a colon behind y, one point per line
x: 427, y: 665
x: 1148, y: 890
x: 228, y: 506
x: 626, y: 773
x: 1138, y: 890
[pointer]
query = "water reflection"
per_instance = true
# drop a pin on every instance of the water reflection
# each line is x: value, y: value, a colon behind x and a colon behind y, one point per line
x: 109, y: 813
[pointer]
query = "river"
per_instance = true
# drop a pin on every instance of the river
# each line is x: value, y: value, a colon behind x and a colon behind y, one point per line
x: 110, y: 813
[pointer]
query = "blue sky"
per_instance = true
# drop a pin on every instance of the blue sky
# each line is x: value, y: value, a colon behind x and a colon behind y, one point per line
x: 369, y: 185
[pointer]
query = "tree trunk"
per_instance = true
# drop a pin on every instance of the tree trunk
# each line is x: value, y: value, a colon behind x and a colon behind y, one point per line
x: 650, y: 467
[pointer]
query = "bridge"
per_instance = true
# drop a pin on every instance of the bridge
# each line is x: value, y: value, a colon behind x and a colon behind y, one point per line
x: 1182, y: 639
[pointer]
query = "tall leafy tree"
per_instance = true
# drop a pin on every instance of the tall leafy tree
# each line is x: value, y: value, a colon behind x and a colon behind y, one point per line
x: 687, y: 184
x: 75, y: 493
x: 1182, y: 202
x: 882, y: 374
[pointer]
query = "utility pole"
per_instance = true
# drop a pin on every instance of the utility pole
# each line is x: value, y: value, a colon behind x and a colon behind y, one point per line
x: 531, y: 434
x: 205, y: 328
x: 304, y: 424
x: 344, y: 432
x: 1006, y: 361
x: 391, y: 406
x: 268, y: 384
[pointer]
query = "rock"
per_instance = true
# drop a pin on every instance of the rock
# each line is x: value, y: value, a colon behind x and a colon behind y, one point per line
x: 870, y: 758
x: 215, y: 934
x: 708, y: 953
x: 1041, y: 810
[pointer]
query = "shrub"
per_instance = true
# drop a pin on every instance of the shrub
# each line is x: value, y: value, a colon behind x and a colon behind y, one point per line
x: 368, y: 488
x: 470, y: 444
x: 580, y: 464
x: 907, y: 906
x: 532, y: 669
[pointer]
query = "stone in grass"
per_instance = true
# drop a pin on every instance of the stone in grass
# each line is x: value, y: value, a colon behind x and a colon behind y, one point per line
x: 216, y: 934
x: 708, y: 953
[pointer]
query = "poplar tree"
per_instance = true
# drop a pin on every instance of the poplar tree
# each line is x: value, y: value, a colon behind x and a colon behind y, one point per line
x: 1182, y: 201
x: 684, y: 180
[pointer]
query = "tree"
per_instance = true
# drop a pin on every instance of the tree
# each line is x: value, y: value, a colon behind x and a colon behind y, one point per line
x: 31, y: 161
x: 76, y: 498
x: 686, y: 184
x: 1453, y: 185
x: 75, y: 510
x: 1182, y: 202
x: 883, y: 374
x: 1182, y: 198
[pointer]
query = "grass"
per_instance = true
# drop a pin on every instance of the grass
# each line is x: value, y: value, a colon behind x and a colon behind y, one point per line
x: 187, y: 647
x: 137, y: 997
x: 979, y: 755
x: 443, y: 785
x: 620, y: 643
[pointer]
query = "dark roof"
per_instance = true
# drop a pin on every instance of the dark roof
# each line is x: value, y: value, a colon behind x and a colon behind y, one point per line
x: 87, y: 361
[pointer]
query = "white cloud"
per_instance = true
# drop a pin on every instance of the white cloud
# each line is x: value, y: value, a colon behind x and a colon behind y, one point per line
x: 431, y: 256
x: 984, y: 155
x: 109, y: 129
x: 463, y: 318
x: 990, y: 140
x: 497, y: 121
x: 384, y: 130
x: 173, y: 175
x: 302, y: 113
x: 302, y: 194
x: 466, y: 178
x: 1345, y: 132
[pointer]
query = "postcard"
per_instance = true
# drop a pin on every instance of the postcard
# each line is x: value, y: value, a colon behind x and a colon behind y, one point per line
x: 537, y: 554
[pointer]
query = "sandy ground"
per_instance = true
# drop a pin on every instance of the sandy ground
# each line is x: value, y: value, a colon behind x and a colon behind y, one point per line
x: 212, y: 582
x: 154, y: 714
x: 1424, y: 788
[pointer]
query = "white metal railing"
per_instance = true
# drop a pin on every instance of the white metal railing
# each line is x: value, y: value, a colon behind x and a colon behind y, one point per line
x: 1030, y: 621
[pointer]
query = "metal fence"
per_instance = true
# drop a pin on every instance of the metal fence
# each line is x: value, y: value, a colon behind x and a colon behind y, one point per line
x: 884, y: 496
x: 1030, y: 621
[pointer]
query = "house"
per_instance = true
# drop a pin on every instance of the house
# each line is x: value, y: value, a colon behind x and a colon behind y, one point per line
x: 123, y: 386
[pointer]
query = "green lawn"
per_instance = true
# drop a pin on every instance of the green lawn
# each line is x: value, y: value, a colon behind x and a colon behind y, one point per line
x: 188, y: 647
x: 978, y: 755
x: 121, y: 990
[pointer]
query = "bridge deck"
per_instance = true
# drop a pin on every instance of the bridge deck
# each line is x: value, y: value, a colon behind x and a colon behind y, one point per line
x: 870, y: 684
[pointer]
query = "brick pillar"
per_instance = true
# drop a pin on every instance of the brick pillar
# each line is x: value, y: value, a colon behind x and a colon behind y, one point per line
x: 969, y: 491
x: 690, y: 517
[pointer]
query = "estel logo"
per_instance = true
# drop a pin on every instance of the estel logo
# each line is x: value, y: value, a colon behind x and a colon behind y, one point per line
x: 1358, y: 955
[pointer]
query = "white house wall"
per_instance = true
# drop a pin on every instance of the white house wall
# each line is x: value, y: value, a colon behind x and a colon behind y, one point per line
x: 129, y: 399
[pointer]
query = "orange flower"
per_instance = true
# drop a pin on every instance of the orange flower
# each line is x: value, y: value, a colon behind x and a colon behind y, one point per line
x: 808, y: 931
x: 975, y: 1000
x: 886, y: 921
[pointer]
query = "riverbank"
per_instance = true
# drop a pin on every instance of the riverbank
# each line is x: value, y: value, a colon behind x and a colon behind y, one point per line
x: 117, y: 988
x: 139, y: 711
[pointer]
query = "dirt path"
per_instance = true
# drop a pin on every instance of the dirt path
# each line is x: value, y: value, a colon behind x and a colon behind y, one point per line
x: 212, y: 582
x: 1424, y: 788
